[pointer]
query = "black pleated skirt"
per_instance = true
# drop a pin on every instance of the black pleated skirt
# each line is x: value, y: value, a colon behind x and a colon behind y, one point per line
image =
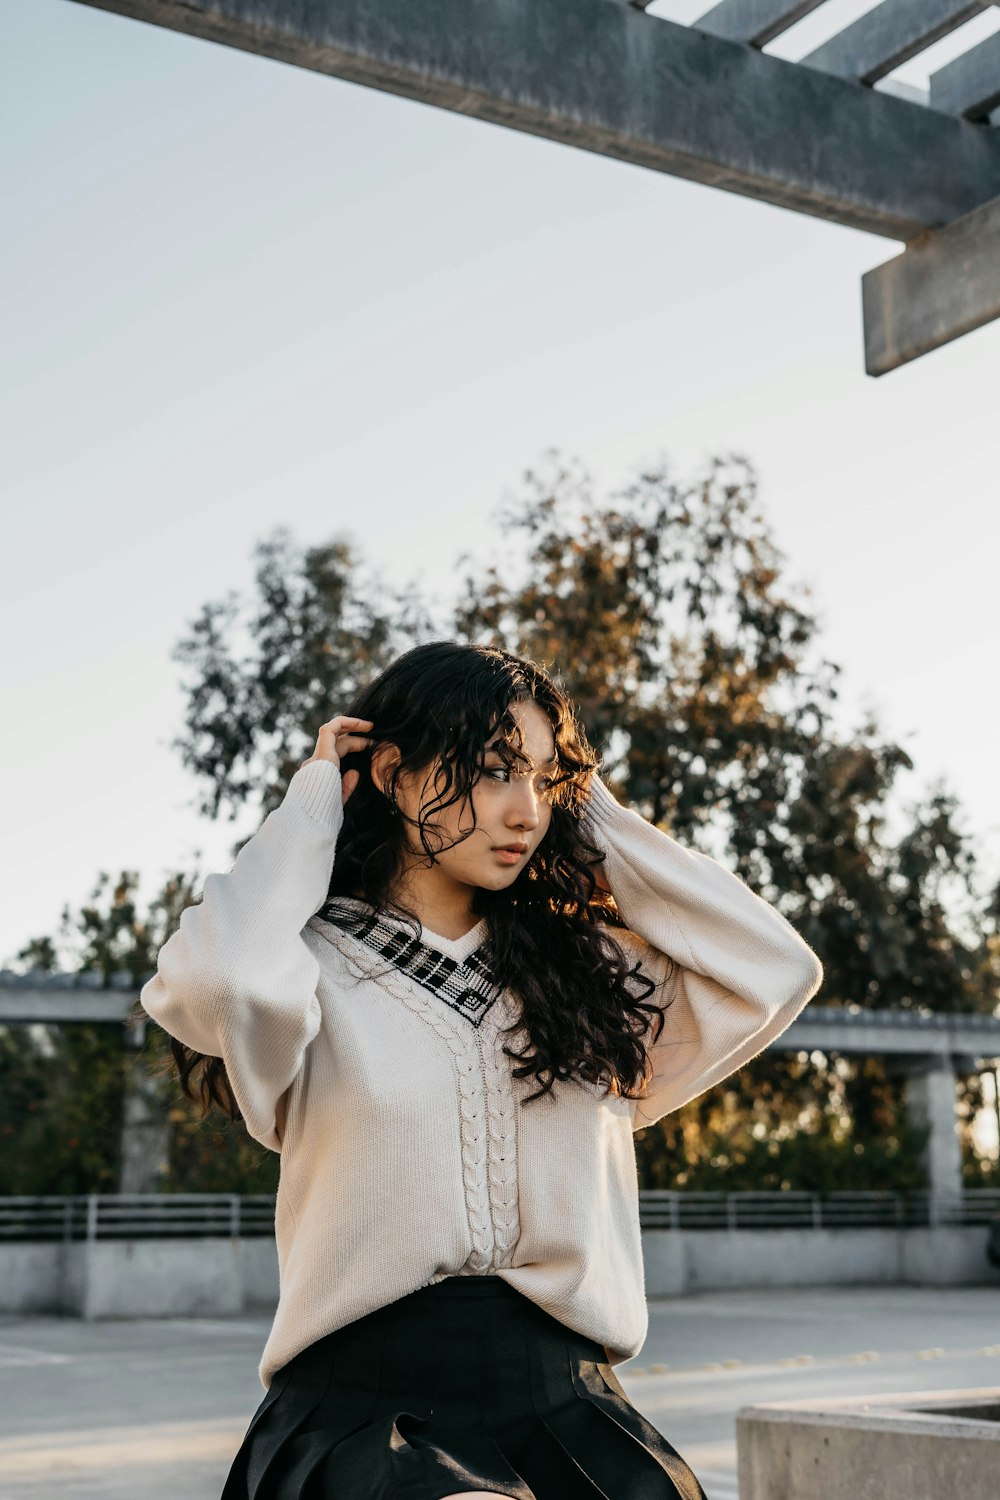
x: 463, y: 1385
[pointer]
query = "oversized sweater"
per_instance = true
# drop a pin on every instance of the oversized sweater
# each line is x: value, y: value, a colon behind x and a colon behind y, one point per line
x: 407, y: 1151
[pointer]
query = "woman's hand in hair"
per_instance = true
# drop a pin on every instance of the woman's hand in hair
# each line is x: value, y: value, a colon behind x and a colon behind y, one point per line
x: 337, y: 738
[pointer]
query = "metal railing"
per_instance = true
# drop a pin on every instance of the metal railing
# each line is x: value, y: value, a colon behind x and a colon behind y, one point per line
x: 100, y: 1216
x: 791, y: 1210
x: 138, y: 1216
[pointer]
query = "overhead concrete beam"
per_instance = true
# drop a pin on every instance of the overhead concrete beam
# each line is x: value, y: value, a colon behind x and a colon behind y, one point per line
x: 945, y: 283
x: 893, y: 1033
x: 610, y: 79
x: 24, y: 1006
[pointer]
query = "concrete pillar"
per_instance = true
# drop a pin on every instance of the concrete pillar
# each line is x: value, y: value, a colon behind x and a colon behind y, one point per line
x: 930, y: 1100
x: 144, y: 1134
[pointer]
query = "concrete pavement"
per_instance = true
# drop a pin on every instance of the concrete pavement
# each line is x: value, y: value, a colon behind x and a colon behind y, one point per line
x: 153, y: 1409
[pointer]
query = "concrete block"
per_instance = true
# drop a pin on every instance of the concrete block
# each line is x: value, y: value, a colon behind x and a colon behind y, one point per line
x: 913, y: 1447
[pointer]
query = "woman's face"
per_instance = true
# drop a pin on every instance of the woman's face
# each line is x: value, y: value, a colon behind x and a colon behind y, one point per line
x: 511, y: 802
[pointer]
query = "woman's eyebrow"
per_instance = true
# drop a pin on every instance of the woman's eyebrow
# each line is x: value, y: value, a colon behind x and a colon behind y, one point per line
x: 552, y: 764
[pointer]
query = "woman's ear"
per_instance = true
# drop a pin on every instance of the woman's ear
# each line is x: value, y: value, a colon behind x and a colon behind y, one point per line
x: 385, y: 759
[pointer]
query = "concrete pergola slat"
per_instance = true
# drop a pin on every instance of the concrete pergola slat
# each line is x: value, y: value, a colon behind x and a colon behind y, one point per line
x: 755, y: 21
x: 889, y: 35
x: 970, y: 85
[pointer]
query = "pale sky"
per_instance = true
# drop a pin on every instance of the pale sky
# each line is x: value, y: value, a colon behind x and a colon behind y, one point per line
x: 238, y: 294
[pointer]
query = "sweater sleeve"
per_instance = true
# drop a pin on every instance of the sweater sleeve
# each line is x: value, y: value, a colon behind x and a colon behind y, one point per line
x: 741, y: 972
x: 236, y: 980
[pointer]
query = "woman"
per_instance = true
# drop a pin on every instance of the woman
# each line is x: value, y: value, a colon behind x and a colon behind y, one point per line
x: 447, y: 979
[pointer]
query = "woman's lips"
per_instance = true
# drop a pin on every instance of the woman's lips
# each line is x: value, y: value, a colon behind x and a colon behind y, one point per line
x: 511, y: 853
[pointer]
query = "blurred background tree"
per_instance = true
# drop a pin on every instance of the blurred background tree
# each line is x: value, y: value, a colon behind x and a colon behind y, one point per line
x: 696, y: 669
x: 665, y: 610
x: 266, y: 672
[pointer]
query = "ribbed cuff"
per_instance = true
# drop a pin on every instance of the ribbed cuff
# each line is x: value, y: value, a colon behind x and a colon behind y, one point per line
x: 316, y: 789
x: 602, y: 808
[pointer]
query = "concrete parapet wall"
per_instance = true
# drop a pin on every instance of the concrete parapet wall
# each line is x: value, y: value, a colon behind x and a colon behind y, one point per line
x: 160, y: 1278
x: 665, y: 1259
x: 259, y: 1273
x: 680, y: 1261
x: 164, y: 1278
x: 191, y: 1277
x: 32, y: 1278
x: 944, y: 1256
x: 717, y: 1260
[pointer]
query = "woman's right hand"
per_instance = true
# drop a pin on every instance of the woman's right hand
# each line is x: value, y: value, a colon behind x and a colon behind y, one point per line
x: 338, y: 738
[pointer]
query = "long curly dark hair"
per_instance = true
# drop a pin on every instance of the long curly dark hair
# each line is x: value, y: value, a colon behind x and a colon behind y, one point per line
x: 585, y: 1008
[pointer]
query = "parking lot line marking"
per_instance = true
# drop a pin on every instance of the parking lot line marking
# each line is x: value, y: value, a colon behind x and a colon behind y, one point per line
x: 62, y: 1454
x: 19, y: 1354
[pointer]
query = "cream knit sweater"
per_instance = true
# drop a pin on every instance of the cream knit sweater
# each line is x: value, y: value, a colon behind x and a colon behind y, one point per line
x: 407, y: 1154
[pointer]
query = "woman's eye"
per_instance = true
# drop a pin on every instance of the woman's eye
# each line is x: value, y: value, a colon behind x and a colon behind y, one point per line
x: 504, y: 773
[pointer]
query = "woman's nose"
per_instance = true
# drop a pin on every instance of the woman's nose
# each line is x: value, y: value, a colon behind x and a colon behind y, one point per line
x: 524, y: 812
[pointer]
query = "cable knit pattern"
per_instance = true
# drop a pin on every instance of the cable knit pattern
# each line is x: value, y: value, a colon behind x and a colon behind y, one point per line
x: 502, y: 1133
x: 460, y: 1039
x: 408, y: 1150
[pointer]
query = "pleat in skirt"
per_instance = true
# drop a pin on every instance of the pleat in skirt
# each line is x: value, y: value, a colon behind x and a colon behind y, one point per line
x: 462, y: 1385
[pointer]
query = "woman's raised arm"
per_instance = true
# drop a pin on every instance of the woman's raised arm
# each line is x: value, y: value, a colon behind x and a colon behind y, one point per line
x: 741, y: 971
x: 237, y: 979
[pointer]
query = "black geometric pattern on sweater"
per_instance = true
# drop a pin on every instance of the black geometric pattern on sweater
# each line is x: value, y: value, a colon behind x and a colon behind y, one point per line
x: 468, y: 987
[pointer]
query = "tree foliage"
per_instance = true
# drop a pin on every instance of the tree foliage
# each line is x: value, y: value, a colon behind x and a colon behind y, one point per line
x: 319, y: 628
x: 666, y: 609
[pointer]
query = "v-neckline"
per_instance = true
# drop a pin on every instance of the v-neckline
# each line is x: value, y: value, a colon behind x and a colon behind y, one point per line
x: 451, y: 970
x: 458, y: 949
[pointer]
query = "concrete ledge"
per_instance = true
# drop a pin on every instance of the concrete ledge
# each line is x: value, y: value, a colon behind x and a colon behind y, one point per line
x: 913, y: 1447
